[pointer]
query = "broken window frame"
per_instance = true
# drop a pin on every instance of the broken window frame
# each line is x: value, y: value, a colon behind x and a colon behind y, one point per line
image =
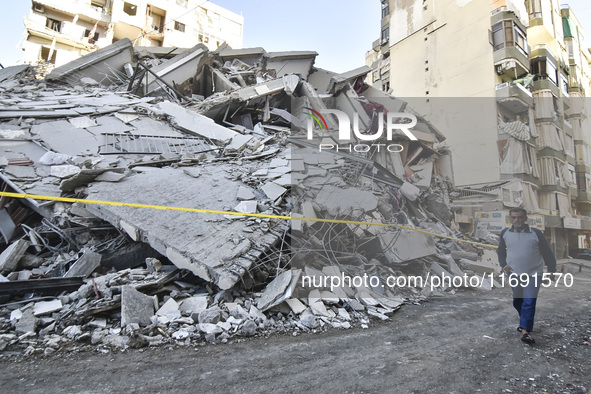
x: 93, y: 39
x: 385, y: 34
x: 178, y: 26
x: 44, y: 54
x: 130, y: 8
x: 54, y: 24
x: 535, y: 8
x: 158, y: 20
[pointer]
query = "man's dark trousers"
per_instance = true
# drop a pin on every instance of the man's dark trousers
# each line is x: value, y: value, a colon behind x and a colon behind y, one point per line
x: 525, y: 295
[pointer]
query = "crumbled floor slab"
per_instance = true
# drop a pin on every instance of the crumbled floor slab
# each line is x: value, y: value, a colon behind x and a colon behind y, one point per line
x: 194, y: 241
x: 195, y: 123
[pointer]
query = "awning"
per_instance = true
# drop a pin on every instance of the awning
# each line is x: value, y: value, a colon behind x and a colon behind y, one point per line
x: 568, y: 27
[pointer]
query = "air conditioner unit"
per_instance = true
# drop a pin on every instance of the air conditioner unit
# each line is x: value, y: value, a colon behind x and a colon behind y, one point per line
x: 509, y: 64
x: 38, y: 7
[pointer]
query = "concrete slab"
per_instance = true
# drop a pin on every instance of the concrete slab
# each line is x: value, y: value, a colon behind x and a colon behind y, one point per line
x: 405, y: 245
x: 27, y: 322
x: 340, y: 202
x: 62, y: 137
x: 193, y: 241
x: 96, y: 64
x: 196, y: 124
x: 274, y: 291
x: 85, y: 265
x: 273, y: 190
x: 194, y: 304
x: 246, y: 207
x: 238, y: 143
x: 245, y: 194
x: 47, y: 307
x: 12, y: 254
x: 136, y: 307
x: 81, y: 122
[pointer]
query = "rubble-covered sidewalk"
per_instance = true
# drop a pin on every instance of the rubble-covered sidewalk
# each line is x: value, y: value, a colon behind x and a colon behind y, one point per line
x: 224, y: 131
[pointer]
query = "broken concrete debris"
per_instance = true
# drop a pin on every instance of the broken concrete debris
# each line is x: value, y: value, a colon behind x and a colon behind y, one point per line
x: 224, y: 131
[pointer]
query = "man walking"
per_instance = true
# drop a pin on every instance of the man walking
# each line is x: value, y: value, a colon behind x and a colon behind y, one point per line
x: 522, y: 252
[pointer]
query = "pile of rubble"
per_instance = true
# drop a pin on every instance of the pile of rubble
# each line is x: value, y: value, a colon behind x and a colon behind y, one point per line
x: 160, y: 191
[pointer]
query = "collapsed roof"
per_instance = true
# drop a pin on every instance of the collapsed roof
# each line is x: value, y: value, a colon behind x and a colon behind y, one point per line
x: 201, y: 158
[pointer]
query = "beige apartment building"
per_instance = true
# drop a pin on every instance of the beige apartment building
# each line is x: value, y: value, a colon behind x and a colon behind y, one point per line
x: 59, y: 31
x: 506, y: 82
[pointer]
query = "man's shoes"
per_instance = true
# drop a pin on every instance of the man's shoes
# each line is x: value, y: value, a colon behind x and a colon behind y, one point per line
x: 527, y: 338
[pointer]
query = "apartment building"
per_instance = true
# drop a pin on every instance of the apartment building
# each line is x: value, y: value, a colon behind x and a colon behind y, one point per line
x: 60, y: 31
x: 506, y: 82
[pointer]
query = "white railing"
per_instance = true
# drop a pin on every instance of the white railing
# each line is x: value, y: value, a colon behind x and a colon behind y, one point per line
x: 523, y: 89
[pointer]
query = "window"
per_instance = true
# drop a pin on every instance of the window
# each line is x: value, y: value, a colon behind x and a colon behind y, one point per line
x: 572, y: 175
x: 385, y: 34
x: 569, y: 147
x: 535, y: 8
x: 571, y: 49
x: 179, y: 26
x: 520, y: 40
x: 544, y: 68
x: 507, y: 34
x: 54, y: 24
x: 129, y: 9
x: 98, y: 3
x: 564, y: 84
x: 385, y: 10
x: 45, y: 52
x: 93, y: 39
x: 156, y: 18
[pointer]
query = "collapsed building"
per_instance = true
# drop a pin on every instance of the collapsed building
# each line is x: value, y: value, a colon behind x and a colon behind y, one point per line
x: 160, y: 197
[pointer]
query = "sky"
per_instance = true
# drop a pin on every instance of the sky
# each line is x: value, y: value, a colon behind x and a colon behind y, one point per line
x: 341, y: 31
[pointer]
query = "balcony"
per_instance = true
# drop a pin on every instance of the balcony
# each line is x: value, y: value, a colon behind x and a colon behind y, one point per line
x: 514, y: 97
x: 510, y: 55
x: 542, y: 50
x: 80, y: 7
x: 546, y: 84
x: 511, y: 61
x: 584, y: 196
x: 573, y: 191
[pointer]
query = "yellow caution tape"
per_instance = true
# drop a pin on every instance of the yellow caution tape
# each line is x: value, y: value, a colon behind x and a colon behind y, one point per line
x: 256, y: 215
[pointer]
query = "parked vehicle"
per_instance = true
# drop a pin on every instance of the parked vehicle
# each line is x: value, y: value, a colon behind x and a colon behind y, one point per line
x: 584, y: 254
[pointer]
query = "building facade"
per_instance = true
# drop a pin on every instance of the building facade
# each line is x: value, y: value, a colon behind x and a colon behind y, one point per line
x: 59, y: 31
x: 506, y: 82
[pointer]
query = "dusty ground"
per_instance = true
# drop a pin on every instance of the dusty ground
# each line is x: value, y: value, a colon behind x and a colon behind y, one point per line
x: 462, y: 343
